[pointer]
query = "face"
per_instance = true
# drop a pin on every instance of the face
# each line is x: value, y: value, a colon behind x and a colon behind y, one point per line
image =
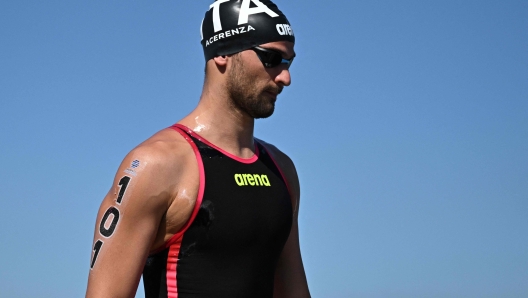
x: 254, y: 88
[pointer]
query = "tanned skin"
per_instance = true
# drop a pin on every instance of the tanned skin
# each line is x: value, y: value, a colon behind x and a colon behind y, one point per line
x: 162, y: 190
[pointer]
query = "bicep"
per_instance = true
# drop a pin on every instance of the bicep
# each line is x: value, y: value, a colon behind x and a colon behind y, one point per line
x: 125, y: 228
x: 290, y: 278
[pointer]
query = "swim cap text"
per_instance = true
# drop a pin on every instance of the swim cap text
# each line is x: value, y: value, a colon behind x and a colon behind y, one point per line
x: 284, y: 29
x: 228, y: 33
x: 245, y: 12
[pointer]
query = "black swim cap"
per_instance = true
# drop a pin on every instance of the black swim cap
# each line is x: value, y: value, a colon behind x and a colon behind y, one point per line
x: 232, y: 26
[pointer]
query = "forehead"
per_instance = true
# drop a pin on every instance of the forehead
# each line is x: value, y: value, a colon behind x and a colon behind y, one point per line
x: 285, y: 47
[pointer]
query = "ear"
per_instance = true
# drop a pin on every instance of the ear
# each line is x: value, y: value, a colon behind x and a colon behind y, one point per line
x: 221, y: 61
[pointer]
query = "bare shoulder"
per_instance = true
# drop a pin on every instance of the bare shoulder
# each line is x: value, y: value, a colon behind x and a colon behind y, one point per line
x: 166, y: 148
x: 157, y: 162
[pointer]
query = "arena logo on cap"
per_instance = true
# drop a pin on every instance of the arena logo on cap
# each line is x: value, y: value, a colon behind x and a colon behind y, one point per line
x: 284, y: 29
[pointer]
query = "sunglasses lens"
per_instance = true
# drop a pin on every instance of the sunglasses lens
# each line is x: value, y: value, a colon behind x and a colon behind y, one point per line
x: 275, y: 59
x: 271, y: 58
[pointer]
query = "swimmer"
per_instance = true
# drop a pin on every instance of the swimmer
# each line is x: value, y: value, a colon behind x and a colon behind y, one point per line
x: 203, y: 208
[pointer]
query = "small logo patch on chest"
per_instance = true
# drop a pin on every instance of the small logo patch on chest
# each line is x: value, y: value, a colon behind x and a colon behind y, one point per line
x: 252, y: 180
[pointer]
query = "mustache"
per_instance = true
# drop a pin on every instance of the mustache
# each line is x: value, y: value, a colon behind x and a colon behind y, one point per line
x: 274, y: 89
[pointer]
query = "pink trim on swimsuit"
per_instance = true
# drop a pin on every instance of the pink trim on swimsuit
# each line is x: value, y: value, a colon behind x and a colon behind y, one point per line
x: 172, y: 266
x: 199, y: 198
x: 278, y: 168
x: 232, y: 156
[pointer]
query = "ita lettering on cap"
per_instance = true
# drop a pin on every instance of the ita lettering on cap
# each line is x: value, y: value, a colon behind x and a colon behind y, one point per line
x: 232, y: 26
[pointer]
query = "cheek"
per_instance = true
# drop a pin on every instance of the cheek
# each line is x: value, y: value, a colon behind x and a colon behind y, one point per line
x: 256, y: 81
x: 254, y: 67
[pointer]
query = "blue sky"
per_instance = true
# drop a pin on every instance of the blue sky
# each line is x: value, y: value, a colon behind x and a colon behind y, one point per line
x: 407, y: 121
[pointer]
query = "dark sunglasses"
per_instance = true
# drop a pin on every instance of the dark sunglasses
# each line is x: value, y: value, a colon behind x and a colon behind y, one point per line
x: 271, y: 58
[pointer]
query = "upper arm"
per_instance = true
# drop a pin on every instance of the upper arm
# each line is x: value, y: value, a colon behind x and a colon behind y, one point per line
x: 290, y: 278
x: 126, y: 225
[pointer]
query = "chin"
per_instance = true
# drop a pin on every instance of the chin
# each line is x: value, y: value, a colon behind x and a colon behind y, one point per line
x: 263, y: 113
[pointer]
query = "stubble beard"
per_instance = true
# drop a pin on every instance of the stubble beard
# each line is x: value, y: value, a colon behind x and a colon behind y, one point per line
x: 246, y: 95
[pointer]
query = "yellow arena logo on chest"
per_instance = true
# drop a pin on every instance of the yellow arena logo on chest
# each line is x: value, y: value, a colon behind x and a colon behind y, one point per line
x: 252, y: 180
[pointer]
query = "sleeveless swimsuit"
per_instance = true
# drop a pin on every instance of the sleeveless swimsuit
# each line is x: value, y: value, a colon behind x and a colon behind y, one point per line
x: 231, y: 243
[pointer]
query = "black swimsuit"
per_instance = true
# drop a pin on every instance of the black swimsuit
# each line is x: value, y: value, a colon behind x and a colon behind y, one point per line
x: 231, y: 244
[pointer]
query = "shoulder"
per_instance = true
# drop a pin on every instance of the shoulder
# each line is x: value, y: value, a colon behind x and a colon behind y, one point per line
x: 283, y: 160
x: 287, y: 168
x: 164, y: 150
x: 158, y: 161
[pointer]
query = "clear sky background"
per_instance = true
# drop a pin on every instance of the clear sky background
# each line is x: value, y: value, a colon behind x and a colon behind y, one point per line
x: 407, y: 120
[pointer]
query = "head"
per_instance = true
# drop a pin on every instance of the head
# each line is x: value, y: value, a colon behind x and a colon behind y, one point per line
x: 253, y: 87
x: 251, y: 43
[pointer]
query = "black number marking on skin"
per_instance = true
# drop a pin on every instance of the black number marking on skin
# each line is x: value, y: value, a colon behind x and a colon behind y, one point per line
x: 123, y: 183
x: 96, y: 250
x: 108, y: 232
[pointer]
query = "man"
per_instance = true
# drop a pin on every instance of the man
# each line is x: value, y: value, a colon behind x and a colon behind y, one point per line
x: 202, y: 208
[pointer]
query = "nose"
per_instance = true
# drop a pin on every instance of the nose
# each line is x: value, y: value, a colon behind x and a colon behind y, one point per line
x: 283, y: 78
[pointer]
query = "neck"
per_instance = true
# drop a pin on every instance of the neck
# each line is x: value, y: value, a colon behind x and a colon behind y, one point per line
x: 217, y: 120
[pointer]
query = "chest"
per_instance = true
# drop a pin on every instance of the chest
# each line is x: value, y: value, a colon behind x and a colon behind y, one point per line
x: 243, y: 205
